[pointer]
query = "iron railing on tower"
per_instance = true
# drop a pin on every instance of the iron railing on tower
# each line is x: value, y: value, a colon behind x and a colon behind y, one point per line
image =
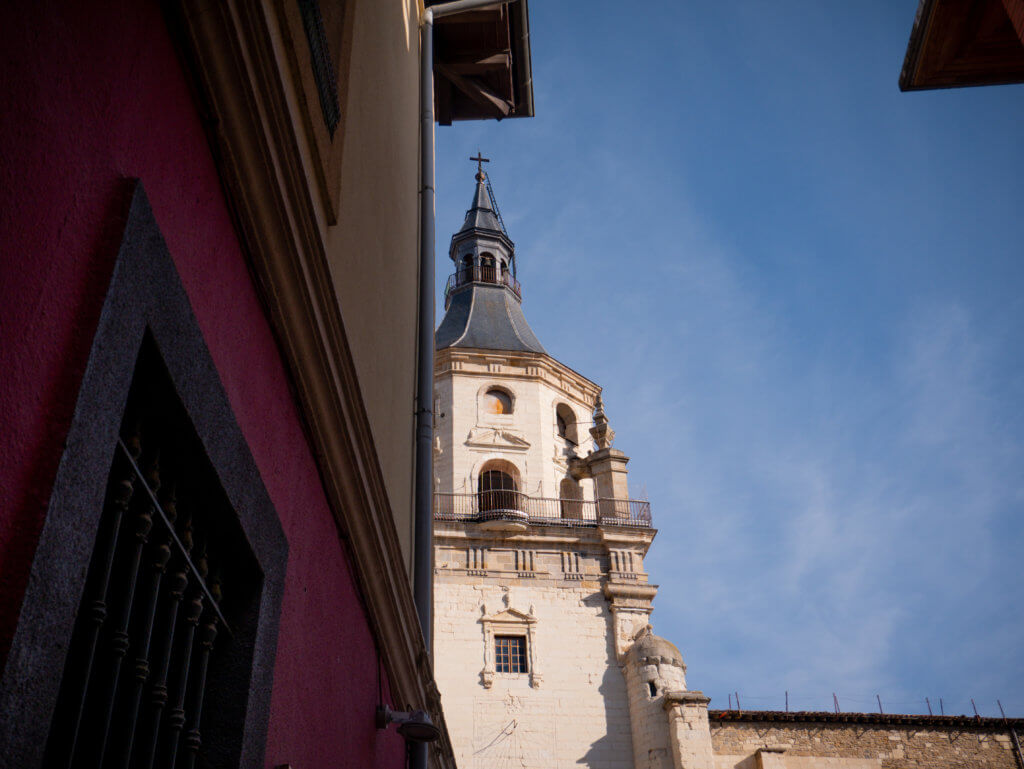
x: 481, y: 273
x: 544, y: 511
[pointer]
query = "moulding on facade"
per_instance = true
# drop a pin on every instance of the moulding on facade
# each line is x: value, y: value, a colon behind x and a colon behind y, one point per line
x: 496, y: 438
x: 510, y: 621
x: 518, y: 365
x: 243, y: 78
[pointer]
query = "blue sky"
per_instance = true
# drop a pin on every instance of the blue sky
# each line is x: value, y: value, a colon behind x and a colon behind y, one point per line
x: 801, y: 292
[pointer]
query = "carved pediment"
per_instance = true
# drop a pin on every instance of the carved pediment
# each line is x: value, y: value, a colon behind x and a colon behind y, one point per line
x: 496, y: 438
x: 510, y: 615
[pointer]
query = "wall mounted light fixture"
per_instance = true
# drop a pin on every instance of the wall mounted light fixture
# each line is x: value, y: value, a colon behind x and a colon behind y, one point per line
x: 413, y: 725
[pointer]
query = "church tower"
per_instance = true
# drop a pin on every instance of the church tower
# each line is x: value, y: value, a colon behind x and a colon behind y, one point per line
x: 543, y: 652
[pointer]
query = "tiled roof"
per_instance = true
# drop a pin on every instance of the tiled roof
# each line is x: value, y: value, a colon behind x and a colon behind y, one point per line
x: 882, y: 719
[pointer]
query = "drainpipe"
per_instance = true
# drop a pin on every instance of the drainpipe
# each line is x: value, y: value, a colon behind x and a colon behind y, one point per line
x: 423, y: 544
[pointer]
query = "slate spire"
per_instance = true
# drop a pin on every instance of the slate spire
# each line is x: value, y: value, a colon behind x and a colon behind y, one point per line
x: 481, y: 214
x: 483, y: 299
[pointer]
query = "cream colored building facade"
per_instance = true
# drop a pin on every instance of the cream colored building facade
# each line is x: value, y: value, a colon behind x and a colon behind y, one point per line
x: 543, y: 649
x: 539, y: 548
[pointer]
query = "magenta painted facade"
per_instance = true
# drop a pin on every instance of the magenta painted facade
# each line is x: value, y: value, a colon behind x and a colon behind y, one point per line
x: 94, y: 95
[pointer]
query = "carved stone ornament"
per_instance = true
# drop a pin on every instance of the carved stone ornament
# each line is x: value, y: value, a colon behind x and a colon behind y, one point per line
x: 496, y: 438
x: 601, y: 432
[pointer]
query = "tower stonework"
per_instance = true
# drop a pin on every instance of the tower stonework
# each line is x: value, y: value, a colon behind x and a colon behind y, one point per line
x: 540, y: 587
x: 543, y: 648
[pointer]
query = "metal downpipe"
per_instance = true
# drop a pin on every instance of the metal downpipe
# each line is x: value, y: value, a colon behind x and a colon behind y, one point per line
x: 423, y: 525
x: 423, y: 522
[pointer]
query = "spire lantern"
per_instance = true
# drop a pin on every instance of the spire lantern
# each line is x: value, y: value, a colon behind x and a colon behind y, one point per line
x: 482, y: 300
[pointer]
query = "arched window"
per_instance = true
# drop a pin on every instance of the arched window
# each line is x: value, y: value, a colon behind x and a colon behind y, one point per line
x: 497, y: 401
x: 565, y: 423
x: 570, y: 499
x: 497, y: 489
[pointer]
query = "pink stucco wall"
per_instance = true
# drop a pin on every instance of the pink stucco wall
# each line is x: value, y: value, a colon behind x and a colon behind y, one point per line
x: 93, y: 95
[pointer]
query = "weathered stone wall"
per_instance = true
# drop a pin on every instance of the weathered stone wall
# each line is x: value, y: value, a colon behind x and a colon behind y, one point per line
x: 821, y: 744
x: 574, y: 714
x: 469, y: 435
x: 689, y: 733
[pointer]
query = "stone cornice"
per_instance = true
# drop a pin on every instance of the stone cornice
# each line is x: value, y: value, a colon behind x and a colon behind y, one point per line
x: 676, y: 697
x: 619, y: 592
x: 600, y: 537
x: 517, y: 365
x: 627, y: 536
x: 233, y: 53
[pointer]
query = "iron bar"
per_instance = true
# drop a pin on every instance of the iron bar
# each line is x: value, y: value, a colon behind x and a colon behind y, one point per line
x: 120, y: 639
x: 122, y: 495
x: 1013, y: 736
x: 929, y: 704
x: 193, y: 738
x: 158, y: 565
x: 177, y: 584
x: 201, y: 583
x: 176, y: 715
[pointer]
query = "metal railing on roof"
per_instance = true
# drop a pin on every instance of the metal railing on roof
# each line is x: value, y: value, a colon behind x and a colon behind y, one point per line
x: 507, y: 505
x: 481, y: 273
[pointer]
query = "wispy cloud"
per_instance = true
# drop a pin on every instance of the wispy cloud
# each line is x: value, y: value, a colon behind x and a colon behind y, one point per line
x: 812, y: 359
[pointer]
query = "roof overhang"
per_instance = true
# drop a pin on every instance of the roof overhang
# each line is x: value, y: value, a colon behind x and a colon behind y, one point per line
x: 965, y: 42
x: 482, y: 67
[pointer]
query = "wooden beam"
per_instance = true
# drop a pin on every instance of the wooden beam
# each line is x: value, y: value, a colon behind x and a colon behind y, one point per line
x: 483, y: 16
x: 477, y: 91
x: 498, y: 61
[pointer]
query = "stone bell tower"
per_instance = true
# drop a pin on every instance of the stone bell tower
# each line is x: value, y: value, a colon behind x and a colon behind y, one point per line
x: 540, y: 588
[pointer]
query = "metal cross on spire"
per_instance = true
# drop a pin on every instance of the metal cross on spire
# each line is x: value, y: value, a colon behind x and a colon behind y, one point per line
x: 480, y: 160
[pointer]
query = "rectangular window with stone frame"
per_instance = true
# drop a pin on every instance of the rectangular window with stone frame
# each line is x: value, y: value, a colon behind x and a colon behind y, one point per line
x: 510, y: 654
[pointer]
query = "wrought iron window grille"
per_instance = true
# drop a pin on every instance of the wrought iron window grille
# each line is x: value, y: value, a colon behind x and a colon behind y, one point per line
x: 167, y: 552
x: 321, y: 62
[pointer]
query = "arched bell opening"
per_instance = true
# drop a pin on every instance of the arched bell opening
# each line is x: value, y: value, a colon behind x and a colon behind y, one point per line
x: 498, y: 493
x: 565, y: 424
x: 464, y: 272
x: 488, y: 268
